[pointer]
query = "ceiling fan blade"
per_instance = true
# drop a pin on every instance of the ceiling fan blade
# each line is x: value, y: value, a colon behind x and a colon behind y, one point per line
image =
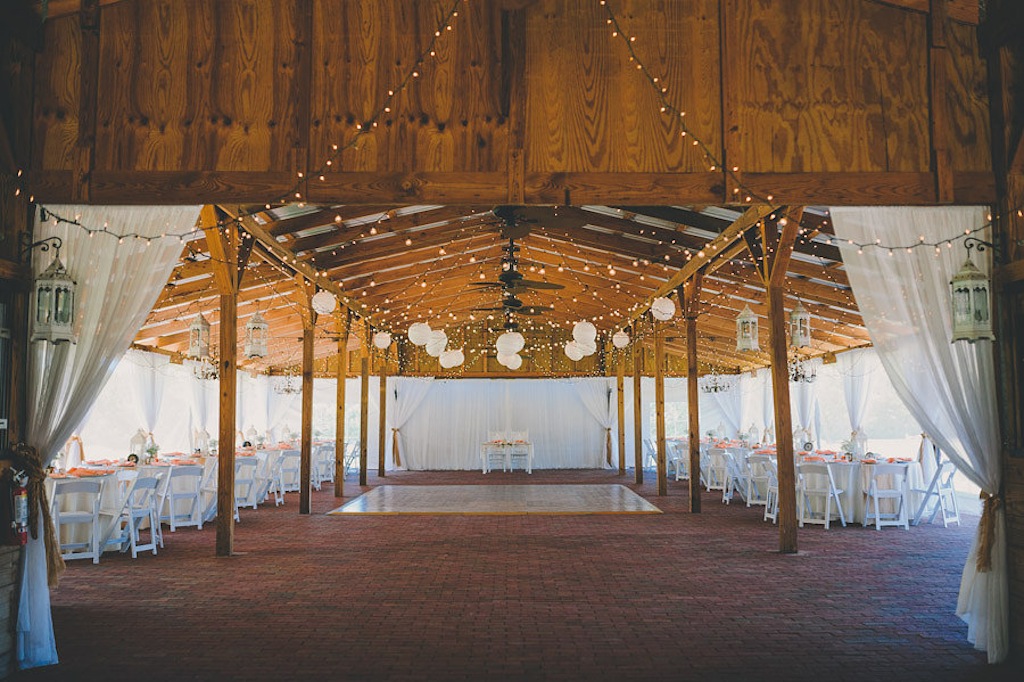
x: 486, y: 284
x: 532, y: 284
x: 532, y: 311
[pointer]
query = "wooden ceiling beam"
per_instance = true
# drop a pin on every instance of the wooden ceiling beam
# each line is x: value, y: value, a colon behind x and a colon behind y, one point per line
x: 404, y: 225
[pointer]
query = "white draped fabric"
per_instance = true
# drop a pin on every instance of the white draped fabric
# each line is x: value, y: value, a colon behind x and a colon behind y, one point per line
x: 855, y: 367
x: 767, y: 406
x: 804, y: 396
x: 118, y: 283
x: 949, y: 388
x: 203, y: 400
x: 146, y: 372
x: 730, y: 405
x: 447, y: 430
x: 405, y: 395
x: 597, y: 396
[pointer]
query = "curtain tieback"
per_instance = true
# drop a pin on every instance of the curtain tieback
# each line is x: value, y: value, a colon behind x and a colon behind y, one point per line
x: 81, y: 446
x: 27, y: 458
x: 987, y: 530
x: 396, y: 456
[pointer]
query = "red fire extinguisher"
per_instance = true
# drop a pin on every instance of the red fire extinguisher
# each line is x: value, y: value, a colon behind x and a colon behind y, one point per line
x: 19, y: 495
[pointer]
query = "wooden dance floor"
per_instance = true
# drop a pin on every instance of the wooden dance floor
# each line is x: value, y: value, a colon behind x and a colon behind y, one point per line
x: 498, y: 499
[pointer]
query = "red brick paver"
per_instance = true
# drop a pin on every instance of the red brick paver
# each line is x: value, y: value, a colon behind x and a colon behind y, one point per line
x: 661, y: 597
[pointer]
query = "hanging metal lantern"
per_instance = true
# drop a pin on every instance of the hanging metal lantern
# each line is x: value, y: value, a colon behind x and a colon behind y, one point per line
x: 199, y: 338
x: 256, y: 333
x: 138, y: 443
x: 746, y: 330
x: 799, y: 326
x: 54, y: 304
x: 972, y: 319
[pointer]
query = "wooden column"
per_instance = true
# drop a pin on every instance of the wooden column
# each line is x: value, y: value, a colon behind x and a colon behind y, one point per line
x: 659, y: 406
x: 364, y: 408
x: 344, y: 323
x: 620, y: 390
x: 638, y: 433
x: 230, y: 253
x: 306, y: 437
x: 382, y: 430
x: 689, y: 297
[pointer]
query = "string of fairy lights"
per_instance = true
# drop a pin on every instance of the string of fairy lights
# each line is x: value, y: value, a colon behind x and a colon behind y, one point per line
x: 811, y: 241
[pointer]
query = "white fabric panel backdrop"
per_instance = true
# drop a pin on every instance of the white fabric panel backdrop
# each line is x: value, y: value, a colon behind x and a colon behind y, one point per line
x: 118, y: 283
x: 448, y: 428
x: 949, y: 388
x: 146, y: 373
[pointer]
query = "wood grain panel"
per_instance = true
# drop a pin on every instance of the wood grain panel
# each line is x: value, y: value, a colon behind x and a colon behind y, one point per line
x: 839, y: 88
x: 967, y: 105
x: 448, y: 119
x: 57, y: 97
x: 588, y: 109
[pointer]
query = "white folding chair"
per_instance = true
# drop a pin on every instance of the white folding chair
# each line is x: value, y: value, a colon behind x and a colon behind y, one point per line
x: 815, y: 482
x: 735, y: 477
x: 323, y: 465
x: 758, y: 477
x: 209, y: 487
x: 245, y: 480
x: 76, y: 503
x: 351, y: 455
x: 650, y: 454
x: 184, y: 484
x: 939, y: 496
x: 680, y: 460
x: 888, y: 482
x: 139, y: 506
x: 494, y: 450
x: 125, y: 477
x: 771, y: 504
x: 520, y: 448
x: 291, y: 471
x: 717, y: 475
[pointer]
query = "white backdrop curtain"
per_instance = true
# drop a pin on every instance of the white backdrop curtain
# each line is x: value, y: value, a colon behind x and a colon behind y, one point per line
x: 804, y: 395
x: 202, y: 399
x: 146, y: 372
x: 118, y: 283
x: 855, y: 368
x: 767, y: 406
x: 405, y: 395
x: 447, y: 430
x: 597, y: 396
x: 730, y: 405
x: 949, y: 388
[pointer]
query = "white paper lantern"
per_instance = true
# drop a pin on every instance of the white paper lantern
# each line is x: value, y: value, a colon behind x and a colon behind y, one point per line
x: 382, y: 340
x: 451, y: 358
x: 515, y: 361
x: 663, y: 309
x: 437, y: 342
x: 573, y: 351
x: 620, y: 339
x: 324, y: 302
x: 746, y: 330
x: 419, y: 333
x: 504, y: 358
x: 510, y: 342
x: 588, y: 348
x: 584, y: 332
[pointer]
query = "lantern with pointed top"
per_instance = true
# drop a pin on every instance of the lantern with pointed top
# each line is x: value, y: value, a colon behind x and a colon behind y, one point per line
x: 199, y: 338
x: 54, y: 304
x: 256, y: 332
x: 972, y: 320
x: 746, y: 330
x: 799, y: 326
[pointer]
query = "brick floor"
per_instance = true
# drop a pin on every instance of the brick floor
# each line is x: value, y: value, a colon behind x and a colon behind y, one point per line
x: 662, y: 597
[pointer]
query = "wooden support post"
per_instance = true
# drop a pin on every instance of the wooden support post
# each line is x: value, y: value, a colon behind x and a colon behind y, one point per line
x: 620, y: 390
x: 638, y: 424
x: 364, y: 408
x: 344, y: 323
x: 783, y: 421
x: 659, y: 406
x: 382, y: 430
x: 689, y: 297
x: 306, y: 439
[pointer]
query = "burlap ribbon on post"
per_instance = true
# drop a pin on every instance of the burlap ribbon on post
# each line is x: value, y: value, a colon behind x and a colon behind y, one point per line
x: 396, y: 456
x: 608, y: 448
x: 987, y: 530
x: 28, y: 459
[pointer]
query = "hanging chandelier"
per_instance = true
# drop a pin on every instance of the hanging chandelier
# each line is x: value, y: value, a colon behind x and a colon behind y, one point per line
x: 287, y: 385
x: 715, y: 382
x: 802, y: 371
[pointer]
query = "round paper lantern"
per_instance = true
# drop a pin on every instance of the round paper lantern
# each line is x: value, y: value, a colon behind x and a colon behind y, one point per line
x: 510, y: 342
x: 451, y: 358
x: 620, y: 339
x: 382, y: 340
x: 584, y: 332
x: 663, y: 308
x: 588, y: 348
x: 573, y: 351
x: 324, y: 302
x: 436, y: 344
x: 515, y: 361
x: 504, y: 358
x: 419, y: 333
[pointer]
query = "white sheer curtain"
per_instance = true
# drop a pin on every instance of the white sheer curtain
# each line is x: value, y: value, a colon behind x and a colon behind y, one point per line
x: 949, y: 388
x: 597, y: 396
x: 405, y: 395
x: 203, y: 397
x: 146, y: 372
x: 730, y: 405
x: 803, y: 395
x: 767, y: 406
x: 118, y: 283
x: 446, y: 431
x: 855, y: 367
